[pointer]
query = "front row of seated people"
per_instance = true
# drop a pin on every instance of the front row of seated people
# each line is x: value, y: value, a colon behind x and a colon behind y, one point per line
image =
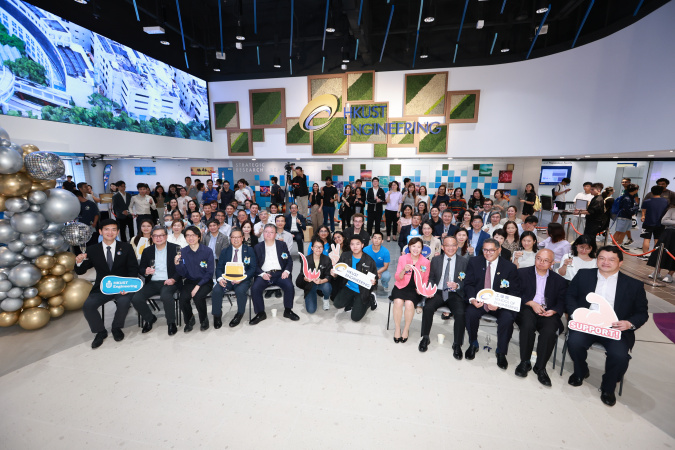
x: 544, y: 294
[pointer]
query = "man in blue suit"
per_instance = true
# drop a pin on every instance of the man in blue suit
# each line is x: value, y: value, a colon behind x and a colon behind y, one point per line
x: 274, y: 268
x: 490, y: 271
x: 445, y: 227
x: 407, y: 231
x: 477, y: 236
x: 237, y: 252
x: 296, y: 225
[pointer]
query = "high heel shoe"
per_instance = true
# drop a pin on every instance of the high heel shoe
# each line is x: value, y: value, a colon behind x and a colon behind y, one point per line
x: 397, y: 339
x: 403, y: 340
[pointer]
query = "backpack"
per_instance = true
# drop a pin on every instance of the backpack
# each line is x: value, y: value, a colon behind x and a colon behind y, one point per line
x: 537, y: 204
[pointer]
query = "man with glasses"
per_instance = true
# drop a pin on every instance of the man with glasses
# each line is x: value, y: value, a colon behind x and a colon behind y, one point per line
x: 490, y: 271
x: 224, y: 227
x: 235, y: 253
x: 448, y: 273
x: 160, y: 279
x: 542, y: 306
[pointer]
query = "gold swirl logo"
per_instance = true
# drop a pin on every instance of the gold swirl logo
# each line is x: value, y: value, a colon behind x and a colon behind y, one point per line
x: 327, y: 103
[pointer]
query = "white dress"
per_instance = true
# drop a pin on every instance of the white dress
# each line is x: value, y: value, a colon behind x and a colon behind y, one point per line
x: 180, y: 241
x: 527, y: 260
x: 578, y: 264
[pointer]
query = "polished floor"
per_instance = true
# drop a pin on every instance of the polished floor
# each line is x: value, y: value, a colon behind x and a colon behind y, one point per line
x: 321, y: 382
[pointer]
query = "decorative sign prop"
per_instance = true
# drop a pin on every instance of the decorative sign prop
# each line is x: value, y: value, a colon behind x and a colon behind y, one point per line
x: 362, y: 279
x: 112, y: 285
x: 490, y: 297
x: 234, y: 271
x: 597, y: 322
x: 310, y: 274
x: 334, y: 254
x: 426, y: 290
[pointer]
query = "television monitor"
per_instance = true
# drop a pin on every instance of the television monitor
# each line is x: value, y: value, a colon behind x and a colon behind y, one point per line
x: 56, y: 70
x: 554, y: 174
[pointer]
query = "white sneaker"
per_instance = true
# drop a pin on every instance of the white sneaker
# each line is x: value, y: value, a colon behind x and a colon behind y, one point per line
x: 651, y: 275
x: 326, y: 304
x: 667, y: 279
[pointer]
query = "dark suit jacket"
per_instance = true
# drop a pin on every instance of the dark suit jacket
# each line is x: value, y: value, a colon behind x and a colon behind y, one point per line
x: 405, y: 232
x: 438, y: 229
x: 349, y: 232
x: 301, y: 227
x: 149, y: 254
x: 120, y: 204
x: 124, y: 262
x: 555, y: 291
x: 370, y: 200
x: 246, y: 252
x: 506, y: 270
x: 481, y: 238
x: 325, y: 265
x: 630, y: 302
x: 436, y: 272
x: 285, y: 263
x: 365, y: 265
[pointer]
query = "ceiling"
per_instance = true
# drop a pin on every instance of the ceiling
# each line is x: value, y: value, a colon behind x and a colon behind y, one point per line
x: 451, y: 40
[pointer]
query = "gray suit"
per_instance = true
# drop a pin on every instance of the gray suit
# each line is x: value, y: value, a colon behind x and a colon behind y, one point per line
x: 456, y: 301
x: 221, y: 242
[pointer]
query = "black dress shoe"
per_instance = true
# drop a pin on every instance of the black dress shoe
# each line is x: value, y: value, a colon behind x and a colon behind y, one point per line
x: 397, y: 340
x: 577, y: 381
x: 235, y: 320
x: 424, y: 344
x: 268, y: 294
x: 471, y: 352
x: 523, y: 368
x: 204, y: 325
x: 258, y: 318
x: 289, y: 314
x: 278, y: 293
x: 148, y: 325
x: 402, y: 339
x: 118, y: 334
x: 502, y: 363
x: 217, y: 322
x: 173, y: 329
x: 98, y: 339
x: 457, y: 352
x: 189, y: 324
x: 608, y: 398
x: 542, y: 376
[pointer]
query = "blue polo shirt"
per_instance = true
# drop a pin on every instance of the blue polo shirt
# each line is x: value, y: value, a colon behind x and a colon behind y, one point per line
x: 350, y: 284
x: 381, y: 257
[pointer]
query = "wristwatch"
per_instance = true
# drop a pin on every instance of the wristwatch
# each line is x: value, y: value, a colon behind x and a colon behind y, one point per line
x: 632, y: 327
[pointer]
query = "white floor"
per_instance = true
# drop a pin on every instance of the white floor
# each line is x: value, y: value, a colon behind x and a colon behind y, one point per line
x: 321, y: 382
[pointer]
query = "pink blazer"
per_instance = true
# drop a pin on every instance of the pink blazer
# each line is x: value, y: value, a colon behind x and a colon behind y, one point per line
x: 423, y: 265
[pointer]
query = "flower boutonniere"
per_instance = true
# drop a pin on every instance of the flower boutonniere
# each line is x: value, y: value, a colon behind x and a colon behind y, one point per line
x: 423, y: 269
x: 203, y: 264
x: 284, y: 255
x: 462, y: 275
x: 119, y: 252
x: 247, y: 260
x: 504, y: 283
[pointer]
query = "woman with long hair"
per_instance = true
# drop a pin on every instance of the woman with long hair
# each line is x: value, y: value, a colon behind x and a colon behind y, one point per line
x: 410, y: 196
x: 462, y: 237
x: 316, y: 204
x: 173, y: 192
x: 430, y: 240
x: 422, y: 211
x: 457, y: 203
x: 192, y: 206
x: 176, y: 235
x: 466, y: 219
x: 441, y: 196
x: 249, y: 237
x: 582, y: 256
x: 528, y: 200
x: 160, y: 199
x: 323, y: 234
x: 406, y: 217
x: 525, y: 255
x: 144, y: 237
x: 176, y: 215
x: 392, y: 208
x: 316, y: 260
x: 347, y: 206
x: 512, y: 237
x: 500, y: 203
x: 422, y: 197
x: 476, y: 201
x: 556, y: 241
x: 339, y: 240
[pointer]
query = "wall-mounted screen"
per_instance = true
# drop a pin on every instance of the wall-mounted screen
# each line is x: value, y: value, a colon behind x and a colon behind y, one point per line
x: 554, y: 174
x: 55, y: 70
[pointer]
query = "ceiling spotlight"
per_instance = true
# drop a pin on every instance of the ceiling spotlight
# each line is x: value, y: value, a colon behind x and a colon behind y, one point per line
x: 277, y: 63
x: 238, y: 45
x: 330, y: 25
x: 542, y: 6
x: 428, y: 13
x: 424, y: 54
x: 651, y: 156
x: 505, y: 47
x: 240, y: 32
x: 82, y: 2
x: 587, y: 156
x: 480, y: 24
x: 216, y: 69
x: 615, y: 157
x: 165, y: 42
x: 343, y: 66
x: 345, y: 57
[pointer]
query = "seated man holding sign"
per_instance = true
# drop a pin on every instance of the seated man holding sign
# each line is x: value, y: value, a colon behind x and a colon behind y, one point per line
x: 542, y: 305
x: 627, y: 297
x: 498, y: 276
x: 353, y: 293
x: 110, y: 257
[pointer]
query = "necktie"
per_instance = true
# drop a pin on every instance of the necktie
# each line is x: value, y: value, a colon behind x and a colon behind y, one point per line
x: 488, y: 278
x: 446, y: 274
x: 235, y: 255
x: 109, y: 259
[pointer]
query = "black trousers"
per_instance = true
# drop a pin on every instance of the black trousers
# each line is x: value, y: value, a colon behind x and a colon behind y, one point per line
x: 374, y: 218
x: 346, y: 216
x: 593, y: 227
x: 259, y: 285
x: 458, y: 307
x: 165, y: 293
x: 616, y: 363
x: 299, y: 238
x: 505, y: 319
x: 199, y: 299
x: 96, y: 300
x: 391, y: 221
x: 347, y: 297
x: 530, y: 323
x: 124, y: 222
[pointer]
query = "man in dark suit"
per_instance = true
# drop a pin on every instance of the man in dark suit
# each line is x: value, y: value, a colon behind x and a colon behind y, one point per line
x: 406, y: 231
x: 238, y: 253
x: 274, y: 268
x: 628, y: 298
x: 110, y: 257
x: 375, y: 200
x: 502, y: 276
x: 542, y: 306
x: 349, y: 295
x: 121, y: 202
x: 448, y: 273
x: 445, y: 228
x: 296, y: 225
x: 476, y: 235
x: 159, y: 272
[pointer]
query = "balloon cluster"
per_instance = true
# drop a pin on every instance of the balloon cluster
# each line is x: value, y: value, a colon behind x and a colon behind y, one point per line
x: 37, y: 281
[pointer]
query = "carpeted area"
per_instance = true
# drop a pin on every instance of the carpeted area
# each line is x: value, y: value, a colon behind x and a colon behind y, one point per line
x: 666, y: 324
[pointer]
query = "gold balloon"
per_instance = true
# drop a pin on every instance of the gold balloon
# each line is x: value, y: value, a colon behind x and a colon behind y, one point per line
x: 14, y: 185
x: 2, y: 203
x: 32, y: 302
x: 68, y: 277
x: 75, y: 293
x: 29, y: 148
x: 35, y: 186
x: 56, y: 311
x: 58, y: 270
x: 48, y: 184
x: 34, y: 318
x: 66, y: 259
x: 44, y: 272
x: 50, y: 286
x: 56, y: 300
x: 45, y: 262
x: 7, y: 319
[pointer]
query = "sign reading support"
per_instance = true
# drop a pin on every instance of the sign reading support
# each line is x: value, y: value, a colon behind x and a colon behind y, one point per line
x: 112, y: 285
x: 597, y: 319
x: 490, y: 297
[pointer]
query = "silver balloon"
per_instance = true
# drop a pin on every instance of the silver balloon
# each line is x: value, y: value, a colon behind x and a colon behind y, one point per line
x: 54, y: 227
x: 7, y: 233
x: 62, y: 206
x: 37, y: 197
x: 3, y: 295
x: 16, y: 246
x: 4, y: 134
x: 49, y: 252
x: 33, y: 251
x: 9, y: 214
x: 53, y: 241
x: 8, y: 258
x: 30, y: 292
x: 25, y: 275
x: 15, y: 292
x: 16, y: 204
x: 5, y: 285
x: 77, y: 233
x: 6, y: 143
x: 10, y: 160
x: 28, y: 222
x: 44, y: 165
x: 64, y: 248
x: 16, y: 147
x: 35, y: 208
x: 20, y: 257
x: 3, y: 276
x: 11, y: 304
x: 32, y: 238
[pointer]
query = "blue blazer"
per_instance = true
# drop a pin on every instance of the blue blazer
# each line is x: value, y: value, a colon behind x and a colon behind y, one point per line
x: 438, y: 229
x: 475, y: 277
x: 285, y: 263
x: 481, y: 238
x: 247, y: 257
x: 303, y: 222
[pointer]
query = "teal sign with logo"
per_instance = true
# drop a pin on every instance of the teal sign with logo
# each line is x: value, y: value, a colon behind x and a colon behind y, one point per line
x: 112, y: 285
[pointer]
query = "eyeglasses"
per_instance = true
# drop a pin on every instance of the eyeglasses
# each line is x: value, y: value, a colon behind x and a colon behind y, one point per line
x: 155, y: 236
x: 489, y: 250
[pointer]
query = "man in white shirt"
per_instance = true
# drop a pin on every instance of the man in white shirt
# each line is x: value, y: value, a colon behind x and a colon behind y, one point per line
x: 586, y: 195
x: 224, y: 227
x: 242, y: 193
x: 264, y: 220
x: 283, y: 235
x: 142, y: 204
x: 559, y: 198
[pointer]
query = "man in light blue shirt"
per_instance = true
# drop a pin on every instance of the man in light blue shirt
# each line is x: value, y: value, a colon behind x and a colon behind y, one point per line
x: 381, y: 257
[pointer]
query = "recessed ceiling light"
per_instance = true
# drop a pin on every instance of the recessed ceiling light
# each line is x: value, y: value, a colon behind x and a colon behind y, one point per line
x: 297, y: 159
x: 83, y: 2
x: 429, y: 19
x: 277, y: 63
x: 253, y: 159
x: 615, y: 157
x: 343, y: 66
x: 165, y: 42
x: 450, y: 158
x: 216, y: 69
x: 562, y: 157
x: 672, y: 151
x: 651, y: 156
x: 586, y: 156
x: 238, y: 45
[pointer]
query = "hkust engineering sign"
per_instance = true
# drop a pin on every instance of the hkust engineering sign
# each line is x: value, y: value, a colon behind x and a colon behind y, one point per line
x: 328, y: 104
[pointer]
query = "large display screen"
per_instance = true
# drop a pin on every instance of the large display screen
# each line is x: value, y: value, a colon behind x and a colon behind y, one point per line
x: 554, y: 174
x: 56, y: 70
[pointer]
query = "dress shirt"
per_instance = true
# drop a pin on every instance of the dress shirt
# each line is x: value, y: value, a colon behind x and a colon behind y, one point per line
x: 606, y: 288
x: 140, y: 205
x: 271, y: 258
x: 541, y: 288
x: 493, y: 271
x: 161, y: 271
x: 287, y: 238
x: 257, y: 228
x: 212, y: 245
x: 452, y: 260
x: 474, y: 241
x: 225, y: 229
x: 294, y: 224
x: 239, y: 251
